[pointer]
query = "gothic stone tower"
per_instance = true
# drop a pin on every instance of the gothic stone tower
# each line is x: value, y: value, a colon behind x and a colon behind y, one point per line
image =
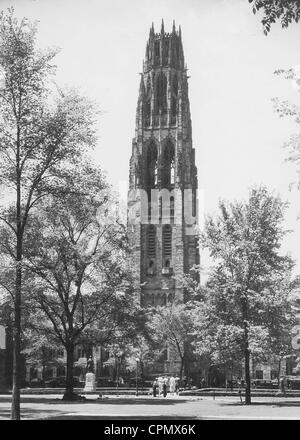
x: 163, y: 176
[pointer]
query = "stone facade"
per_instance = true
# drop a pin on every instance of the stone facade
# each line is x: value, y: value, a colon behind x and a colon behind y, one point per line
x: 162, y: 199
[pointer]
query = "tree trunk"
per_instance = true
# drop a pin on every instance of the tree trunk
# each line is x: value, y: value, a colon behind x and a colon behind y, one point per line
x: 247, y: 366
x: 16, y: 376
x: 142, y: 374
x: 16, y: 379
x: 247, y: 377
x: 117, y: 373
x: 246, y: 353
x: 69, y: 393
x: 181, y: 369
x: 43, y: 366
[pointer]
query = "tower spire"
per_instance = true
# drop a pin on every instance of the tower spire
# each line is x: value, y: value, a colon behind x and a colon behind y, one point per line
x: 142, y: 87
x: 162, y: 27
x: 174, y: 27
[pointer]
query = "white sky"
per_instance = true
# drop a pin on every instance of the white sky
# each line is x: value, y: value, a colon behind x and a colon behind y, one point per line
x: 237, y: 136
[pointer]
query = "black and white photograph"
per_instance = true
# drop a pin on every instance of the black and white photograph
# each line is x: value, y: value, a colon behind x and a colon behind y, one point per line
x: 150, y: 213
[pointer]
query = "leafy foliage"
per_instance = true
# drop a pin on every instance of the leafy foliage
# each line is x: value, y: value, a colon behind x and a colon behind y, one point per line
x: 43, y: 138
x: 77, y: 277
x: 287, y: 11
x: 172, y: 328
x: 286, y: 109
x: 245, y: 307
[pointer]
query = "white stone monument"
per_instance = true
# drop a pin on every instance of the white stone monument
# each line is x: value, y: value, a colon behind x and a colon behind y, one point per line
x: 90, y: 383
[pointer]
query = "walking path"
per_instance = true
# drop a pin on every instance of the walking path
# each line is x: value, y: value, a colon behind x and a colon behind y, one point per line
x: 135, y: 408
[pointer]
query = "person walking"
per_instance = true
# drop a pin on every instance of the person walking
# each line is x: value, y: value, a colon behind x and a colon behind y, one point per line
x: 160, y: 386
x: 172, y: 385
x: 154, y: 387
x: 177, y: 385
x: 282, y: 384
x: 165, y: 388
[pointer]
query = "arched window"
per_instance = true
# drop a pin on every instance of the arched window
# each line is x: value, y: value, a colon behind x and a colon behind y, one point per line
x: 166, y: 52
x: 172, y: 209
x: 151, y: 166
x: 147, y: 104
x: 172, y: 172
x: 157, y: 49
x: 168, y: 166
x: 161, y: 94
x: 173, y: 109
x: 175, y: 86
x: 155, y: 173
x: 174, y: 95
x: 136, y: 175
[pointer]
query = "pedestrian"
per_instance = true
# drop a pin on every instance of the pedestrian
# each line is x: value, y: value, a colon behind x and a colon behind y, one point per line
x: 165, y: 388
x: 203, y: 383
x: 154, y: 387
x: 177, y: 385
x: 160, y: 386
x: 282, y: 384
x: 172, y: 385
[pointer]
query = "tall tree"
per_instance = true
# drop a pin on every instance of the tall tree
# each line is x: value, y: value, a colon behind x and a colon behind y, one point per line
x: 39, y: 138
x: 172, y: 328
x: 287, y: 11
x: 78, y: 260
x: 244, y: 241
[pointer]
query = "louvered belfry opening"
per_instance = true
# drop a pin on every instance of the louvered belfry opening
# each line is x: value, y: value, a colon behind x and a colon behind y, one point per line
x: 151, y: 249
x: 152, y: 242
x: 167, y: 245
